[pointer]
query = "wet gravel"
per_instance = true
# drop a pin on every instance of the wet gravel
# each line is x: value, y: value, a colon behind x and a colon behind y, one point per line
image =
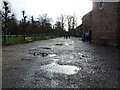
x: 27, y: 65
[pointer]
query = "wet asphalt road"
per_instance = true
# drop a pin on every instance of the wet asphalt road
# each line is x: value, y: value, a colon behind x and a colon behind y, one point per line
x: 59, y: 63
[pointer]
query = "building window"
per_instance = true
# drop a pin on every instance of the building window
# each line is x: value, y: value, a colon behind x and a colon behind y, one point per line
x: 101, y: 4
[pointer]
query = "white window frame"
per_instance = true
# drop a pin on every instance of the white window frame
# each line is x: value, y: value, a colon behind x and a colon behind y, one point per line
x: 101, y: 4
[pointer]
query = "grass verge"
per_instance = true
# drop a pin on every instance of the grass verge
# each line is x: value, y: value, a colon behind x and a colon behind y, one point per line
x: 20, y: 39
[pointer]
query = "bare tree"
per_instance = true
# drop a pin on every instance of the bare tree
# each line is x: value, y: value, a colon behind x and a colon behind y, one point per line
x: 69, y: 22
x: 45, y: 23
x: 33, y: 25
x: 74, y: 25
x: 58, y: 28
x: 8, y: 21
x: 5, y: 18
x: 24, y: 23
x: 62, y: 19
x: 44, y: 19
x: 24, y: 17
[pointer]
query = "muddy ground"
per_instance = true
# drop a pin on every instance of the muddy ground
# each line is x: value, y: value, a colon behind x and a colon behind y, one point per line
x: 60, y: 63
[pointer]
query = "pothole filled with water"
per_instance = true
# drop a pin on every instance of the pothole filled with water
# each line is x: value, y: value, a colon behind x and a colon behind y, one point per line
x: 45, y: 48
x: 43, y: 54
x: 52, y: 55
x: 64, y: 69
x: 60, y: 44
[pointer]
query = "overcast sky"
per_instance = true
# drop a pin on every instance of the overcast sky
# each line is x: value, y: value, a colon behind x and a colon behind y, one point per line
x: 53, y: 8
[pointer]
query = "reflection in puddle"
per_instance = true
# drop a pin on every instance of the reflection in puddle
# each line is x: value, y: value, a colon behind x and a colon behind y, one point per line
x: 56, y: 68
x: 66, y: 44
x: 52, y: 55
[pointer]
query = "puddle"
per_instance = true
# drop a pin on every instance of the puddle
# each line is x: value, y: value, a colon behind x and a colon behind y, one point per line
x: 26, y: 59
x: 59, y: 44
x: 66, y: 44
x: 64, y: 69
x: 44, y: 47
x: 40, y: 54
x: 43, y: 54
x: 52, y: 55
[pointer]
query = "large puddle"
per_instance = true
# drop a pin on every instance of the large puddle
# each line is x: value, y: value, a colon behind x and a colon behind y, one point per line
x: 64, y: 69
x: 52, y: 55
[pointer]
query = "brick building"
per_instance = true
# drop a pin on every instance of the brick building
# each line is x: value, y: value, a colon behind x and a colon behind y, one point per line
x: 79, y: 31
x: 87, y: 22
x: 104, y: 21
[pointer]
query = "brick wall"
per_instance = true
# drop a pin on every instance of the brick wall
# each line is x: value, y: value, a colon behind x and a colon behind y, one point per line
x: 105, y: 21
x: 86, y: 21
x: 119, y: 23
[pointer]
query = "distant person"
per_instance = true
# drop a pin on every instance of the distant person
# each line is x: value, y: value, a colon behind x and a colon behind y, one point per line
x: 69, y: 35
x: 66, y: 36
